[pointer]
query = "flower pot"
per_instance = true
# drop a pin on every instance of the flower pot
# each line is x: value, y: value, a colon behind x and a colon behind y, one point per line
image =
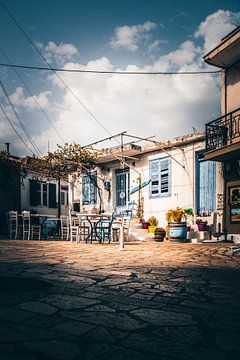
x: 178, y: 231
x: 152, y: 228
x: 145, y: 225
x: 159, y: 235
x: 202, y: 226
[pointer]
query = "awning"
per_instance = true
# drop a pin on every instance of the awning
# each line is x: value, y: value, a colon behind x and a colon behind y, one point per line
x: 137, y: 188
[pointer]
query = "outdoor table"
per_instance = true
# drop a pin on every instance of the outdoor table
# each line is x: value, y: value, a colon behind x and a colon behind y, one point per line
x: 96, y: 230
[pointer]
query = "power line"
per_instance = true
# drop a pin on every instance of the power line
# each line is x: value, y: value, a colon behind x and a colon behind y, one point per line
x: 35, y: 147
x: 15, y: 130
x: 30, y: 67
x: 34, y: 97
x: 55, y: 72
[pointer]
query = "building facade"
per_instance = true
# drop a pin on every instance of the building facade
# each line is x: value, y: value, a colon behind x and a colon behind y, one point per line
x: 223, y: 134
x: 169, y: 173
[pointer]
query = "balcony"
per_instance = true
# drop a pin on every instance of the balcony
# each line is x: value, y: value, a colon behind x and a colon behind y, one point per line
x: 223, y: 137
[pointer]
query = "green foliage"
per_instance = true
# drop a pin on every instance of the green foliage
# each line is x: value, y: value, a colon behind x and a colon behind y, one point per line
x: 152, y: 221
x: 175, y: 215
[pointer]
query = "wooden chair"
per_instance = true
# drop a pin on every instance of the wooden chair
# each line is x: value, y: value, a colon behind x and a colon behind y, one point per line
x: 13, y: 224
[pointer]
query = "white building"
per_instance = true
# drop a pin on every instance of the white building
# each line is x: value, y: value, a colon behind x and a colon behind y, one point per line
x: 41, y: 194
x: 171, y: 171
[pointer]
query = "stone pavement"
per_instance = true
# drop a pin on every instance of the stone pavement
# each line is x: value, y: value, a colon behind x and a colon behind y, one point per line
x: 61, y: 300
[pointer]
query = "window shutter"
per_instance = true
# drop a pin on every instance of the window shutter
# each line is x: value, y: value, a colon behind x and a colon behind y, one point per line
x: 85, y: 190
x: 165, y: 177
x: 33, y: 192
x: 93, y: 188
x: 154, y: 176
x: 52, y: 196
x: 205, y: 186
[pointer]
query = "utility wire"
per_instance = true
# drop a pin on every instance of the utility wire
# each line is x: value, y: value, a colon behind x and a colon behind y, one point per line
x: 55, y: 72
x: 111, y: 72
x: 15, y: 130
x: 38, y: 151
x: 34, y: 97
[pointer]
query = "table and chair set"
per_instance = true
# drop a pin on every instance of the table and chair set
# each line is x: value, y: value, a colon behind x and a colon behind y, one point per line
x: 102, y: 228
x: 26, y: 225
x: 106, y: 227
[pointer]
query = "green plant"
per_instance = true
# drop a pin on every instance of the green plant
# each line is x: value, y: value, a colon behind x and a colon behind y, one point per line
x: 200, y: 221
x: 152, y: 221
x: 175, y: 215
x: 158, y: 229
x: 188, y: 211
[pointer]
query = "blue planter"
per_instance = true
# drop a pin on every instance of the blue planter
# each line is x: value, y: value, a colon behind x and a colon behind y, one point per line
x: 178, y: 231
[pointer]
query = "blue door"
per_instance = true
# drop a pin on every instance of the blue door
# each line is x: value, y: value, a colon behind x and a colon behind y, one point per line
x: 122, y: 187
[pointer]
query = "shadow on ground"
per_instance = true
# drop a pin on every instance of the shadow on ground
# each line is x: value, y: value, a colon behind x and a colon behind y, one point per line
x: 65, y: 312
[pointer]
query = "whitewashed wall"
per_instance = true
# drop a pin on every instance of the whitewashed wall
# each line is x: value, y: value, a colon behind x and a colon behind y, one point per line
x: 25, y: 195
x: 183, y: 183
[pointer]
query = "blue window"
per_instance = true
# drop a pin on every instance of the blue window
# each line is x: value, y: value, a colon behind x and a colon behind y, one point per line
x: 205, y: 186
x: 160, y: 174
x: 89, y: 189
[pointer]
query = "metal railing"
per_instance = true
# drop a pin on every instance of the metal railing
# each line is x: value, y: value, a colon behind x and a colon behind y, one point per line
x: 223, y: 131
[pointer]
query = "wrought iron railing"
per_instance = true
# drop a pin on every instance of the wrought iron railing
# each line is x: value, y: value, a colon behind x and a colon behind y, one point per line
x: 223, y: 131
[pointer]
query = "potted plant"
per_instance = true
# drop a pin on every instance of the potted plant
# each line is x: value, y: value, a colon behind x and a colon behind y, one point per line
x: 159, y: 234
x: 202, y: 225
x: 145, y: 224
x: 176, y: 224
x: 152, y: 224
x: 189, y: 215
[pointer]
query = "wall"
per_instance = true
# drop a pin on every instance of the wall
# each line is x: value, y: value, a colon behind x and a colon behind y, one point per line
x: 230, y: 96
x: 9, y: 192
x: 25, y: 195
x: 183, y: 182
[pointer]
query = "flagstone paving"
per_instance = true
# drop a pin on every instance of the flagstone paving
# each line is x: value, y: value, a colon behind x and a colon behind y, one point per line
x: 61, y: 300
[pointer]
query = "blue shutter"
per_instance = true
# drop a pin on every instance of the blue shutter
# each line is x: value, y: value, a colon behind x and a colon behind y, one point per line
x: 165, y: 177
x: 154, y: 170
x: 89, y: 189
x: 85, y: 190
x: 206, y: 187
x: 160, y: 175
x: 93, y: 188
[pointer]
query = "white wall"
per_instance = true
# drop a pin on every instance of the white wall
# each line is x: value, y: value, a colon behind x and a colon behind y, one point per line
x: 25, y: 195
x: 183, y: 182
x: 182, y: 188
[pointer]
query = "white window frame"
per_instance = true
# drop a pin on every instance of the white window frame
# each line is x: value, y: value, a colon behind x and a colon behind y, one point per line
x: 157, y: 177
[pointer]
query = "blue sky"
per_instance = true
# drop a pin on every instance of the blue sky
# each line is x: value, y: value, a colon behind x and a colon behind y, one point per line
x: 109, y: 35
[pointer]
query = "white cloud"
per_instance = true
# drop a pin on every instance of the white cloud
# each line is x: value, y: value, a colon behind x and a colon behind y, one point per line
x: 216, y: 26
x: 30, y: 103
x: 155, y: 45
x: 129, y: 36
x: 58, y: 53
x: 165, y: 106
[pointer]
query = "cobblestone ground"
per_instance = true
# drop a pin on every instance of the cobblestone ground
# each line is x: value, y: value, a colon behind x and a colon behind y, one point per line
x: 153, y: 301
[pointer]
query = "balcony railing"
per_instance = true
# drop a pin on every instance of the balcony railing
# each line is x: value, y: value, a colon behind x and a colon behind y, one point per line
x: 223, y: 131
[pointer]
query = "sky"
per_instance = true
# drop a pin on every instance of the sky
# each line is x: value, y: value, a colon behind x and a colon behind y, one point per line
x: 108, y: 35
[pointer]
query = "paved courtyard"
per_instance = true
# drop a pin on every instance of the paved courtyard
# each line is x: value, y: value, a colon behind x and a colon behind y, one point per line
x: 61, y: 300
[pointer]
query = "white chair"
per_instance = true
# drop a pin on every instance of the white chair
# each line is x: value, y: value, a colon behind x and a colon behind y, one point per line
x: 65, y: 227
x: 29, y: 229
x: 84, y: 228
x: 13, y: 224
x: 74, y: 228
x: 119, y: 222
